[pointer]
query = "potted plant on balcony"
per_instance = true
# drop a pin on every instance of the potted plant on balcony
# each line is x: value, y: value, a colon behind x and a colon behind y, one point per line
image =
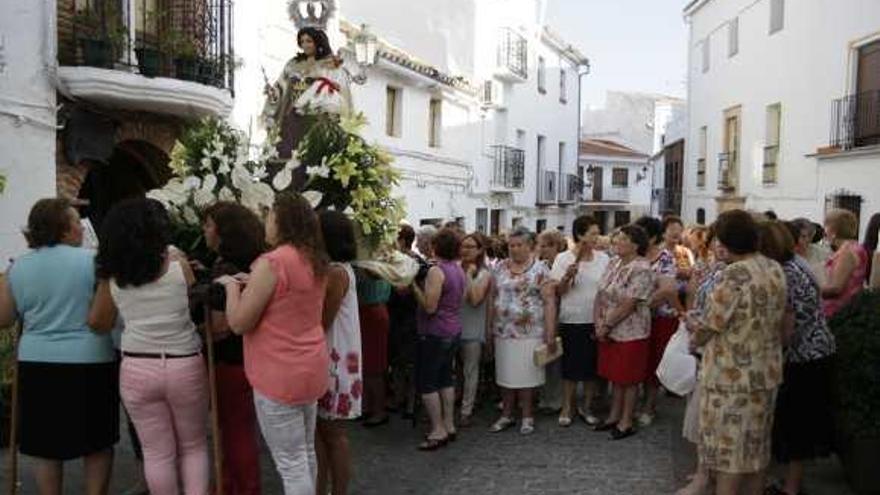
x: 149, y: 50
x: 858, y: 390
x: 186, y: 55
x: 97, y: 50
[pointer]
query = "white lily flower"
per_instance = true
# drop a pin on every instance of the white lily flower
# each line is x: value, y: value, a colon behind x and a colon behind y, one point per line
x: 226, y: 194
x: 319, y: 171
x: 190, y: 216
x: 282, y: 179
x: 160, y: 196
x: 209, y: 182
x: 293, y: 163
x: 313, y: 197
x: 241, y: 178
x: 203, y: 197
x: 192, y: 183
x: 260, y: 172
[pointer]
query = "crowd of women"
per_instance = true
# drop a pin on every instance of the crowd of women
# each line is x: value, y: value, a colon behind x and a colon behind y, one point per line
x: 304, y: 342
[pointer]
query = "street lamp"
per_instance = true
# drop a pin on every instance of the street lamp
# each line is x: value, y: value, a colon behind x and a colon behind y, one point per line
x: 365, y: 46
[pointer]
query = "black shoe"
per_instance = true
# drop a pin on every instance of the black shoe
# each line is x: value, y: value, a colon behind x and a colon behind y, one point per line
x: 618, y: 434
x: 604, y: 426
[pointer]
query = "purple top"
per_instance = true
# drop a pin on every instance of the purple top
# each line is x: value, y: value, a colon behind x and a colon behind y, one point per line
x: 446, y: 321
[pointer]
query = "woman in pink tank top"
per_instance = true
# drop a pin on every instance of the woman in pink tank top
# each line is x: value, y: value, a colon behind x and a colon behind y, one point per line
x: 285, y: 356
x: 847, y: 268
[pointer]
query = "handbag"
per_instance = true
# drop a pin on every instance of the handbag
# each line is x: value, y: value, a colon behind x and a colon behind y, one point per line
x: 677, y: 371
x: 543, y: 356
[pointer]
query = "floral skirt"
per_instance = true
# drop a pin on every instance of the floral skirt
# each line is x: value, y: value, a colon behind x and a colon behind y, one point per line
x: 735, y: 429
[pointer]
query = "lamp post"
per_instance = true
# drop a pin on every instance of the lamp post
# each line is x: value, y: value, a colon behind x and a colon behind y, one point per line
x: 365, y: 46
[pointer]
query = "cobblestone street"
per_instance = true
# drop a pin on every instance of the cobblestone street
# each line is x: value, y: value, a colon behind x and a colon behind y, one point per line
x: 551, y: 461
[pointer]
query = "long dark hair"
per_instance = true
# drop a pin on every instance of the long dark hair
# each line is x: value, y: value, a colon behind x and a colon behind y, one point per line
x: 134, y: 242
x: 339, y: 237
x: 870, y: 241
x: 322, y: 43
x: 242, y: 238
x: 297, y: 224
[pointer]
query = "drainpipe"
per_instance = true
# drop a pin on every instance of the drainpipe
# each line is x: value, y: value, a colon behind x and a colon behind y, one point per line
x: 583, y: 69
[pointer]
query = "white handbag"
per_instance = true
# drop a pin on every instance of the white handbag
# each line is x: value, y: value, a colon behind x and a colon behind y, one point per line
x: 678, y: 368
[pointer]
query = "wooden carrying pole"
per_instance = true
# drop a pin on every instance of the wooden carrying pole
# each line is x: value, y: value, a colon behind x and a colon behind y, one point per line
x: 12, y: 476
x: 212, y: 387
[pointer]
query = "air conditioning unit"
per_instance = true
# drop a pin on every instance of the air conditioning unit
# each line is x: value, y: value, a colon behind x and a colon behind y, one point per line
x: 492, y: 94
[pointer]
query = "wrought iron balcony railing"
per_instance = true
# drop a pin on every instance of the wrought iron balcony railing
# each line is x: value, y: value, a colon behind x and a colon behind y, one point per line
x: 548, y: 187
x: 572, y: 189
x: 513, y: 53
x: 855, y: 121
x: 509, y: 167
x: 182, y: 39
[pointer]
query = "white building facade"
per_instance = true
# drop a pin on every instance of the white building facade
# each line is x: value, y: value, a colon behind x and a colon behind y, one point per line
x: 784, y: 107
x: 618, y: 182
x: 476, y: 100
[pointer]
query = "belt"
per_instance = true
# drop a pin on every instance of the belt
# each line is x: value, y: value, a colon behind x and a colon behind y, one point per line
x: 159, y: 355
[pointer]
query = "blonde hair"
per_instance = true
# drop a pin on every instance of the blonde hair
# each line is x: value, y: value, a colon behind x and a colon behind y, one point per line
x: 844, y: 223
x: 555, y: 238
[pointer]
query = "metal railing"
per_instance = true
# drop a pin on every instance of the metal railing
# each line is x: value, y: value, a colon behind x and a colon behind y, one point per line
x: 769, y: 169
x: 727, y: 171
x: 572, y: 189
x: 182, y: 39
x: 513, y: 53
x: 668, y: 200
x: 547, y: 186
x: 855, y: 120
x: 509, y: 167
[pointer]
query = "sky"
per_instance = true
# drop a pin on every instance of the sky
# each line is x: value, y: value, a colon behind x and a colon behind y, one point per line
x: 633, y: 45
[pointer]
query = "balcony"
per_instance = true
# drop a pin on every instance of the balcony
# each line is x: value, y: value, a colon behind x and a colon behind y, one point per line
x: 572, y: 189
x: 701, y: 172
x: 513, y: 55
x: 769, y: 169
x: 727, y: 178
x: 668, y: 200
x: 548, y: 187
x: 161, y: 56
x: 509, y: 168
x: 855, y: 121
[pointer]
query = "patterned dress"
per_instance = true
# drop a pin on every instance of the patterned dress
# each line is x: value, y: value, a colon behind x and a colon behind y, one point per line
x: 741, y: 366
x: 345, y: 391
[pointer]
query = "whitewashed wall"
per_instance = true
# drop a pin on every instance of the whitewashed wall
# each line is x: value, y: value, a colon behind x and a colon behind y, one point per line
x: 27, y: 147
x: 803, y: 67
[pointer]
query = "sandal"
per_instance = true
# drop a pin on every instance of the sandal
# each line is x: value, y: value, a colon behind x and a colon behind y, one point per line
x: 564, y: 421
x: 431, y: 444
x: 618, y: 434
x: 502, y: 424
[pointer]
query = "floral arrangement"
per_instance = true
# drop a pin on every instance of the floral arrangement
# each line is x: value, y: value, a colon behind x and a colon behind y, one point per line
x: 212, y: 161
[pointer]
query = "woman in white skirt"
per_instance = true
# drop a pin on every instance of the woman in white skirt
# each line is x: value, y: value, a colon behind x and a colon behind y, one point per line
x: 522, y: 316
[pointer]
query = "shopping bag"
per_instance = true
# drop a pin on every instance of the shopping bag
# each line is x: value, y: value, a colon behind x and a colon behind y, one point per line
x: 677, y: 371
x: 543, y: 356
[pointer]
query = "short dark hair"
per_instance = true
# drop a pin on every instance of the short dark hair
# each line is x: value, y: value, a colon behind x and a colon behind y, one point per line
x: 339, y: 239
x: 670, y: 220
x: 737, y: 231
x: 48, y: 221
x: 134, y: 242
x: 406, y: 234
x: 638, y: 236
x: 581, y: 226
x: 653, y: 228
x: 775, y: 241
x: 446, y: 243
x: 241, y: 233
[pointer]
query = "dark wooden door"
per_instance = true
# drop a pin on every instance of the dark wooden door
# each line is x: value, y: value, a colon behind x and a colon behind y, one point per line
x: 597, y: 184
x: 867, y: 114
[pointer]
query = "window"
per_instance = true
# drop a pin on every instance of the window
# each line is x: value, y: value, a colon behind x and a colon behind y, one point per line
x: 542, y: 75
x: 705, y: 55
x: 777, y: 15
x: 701, y: 157
x: 393, y: 111
x: 620, y: 177
x: 435, y: 122
x: 771, y: 147
x: 541, y: 152
x: 563, y: 93
x: 701, y: 216
x: 540, y: 225
x: 482, y: 220
x: 733, y: 37
x: 621, y: 218
x: 561, y: 156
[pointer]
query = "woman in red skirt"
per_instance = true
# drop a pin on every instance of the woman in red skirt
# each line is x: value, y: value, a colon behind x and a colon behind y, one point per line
x: 623, y: 324
x: 664, y: 302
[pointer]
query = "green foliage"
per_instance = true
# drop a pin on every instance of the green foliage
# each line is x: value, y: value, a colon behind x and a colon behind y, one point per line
x: 2, y: 183
x: 857, y: 331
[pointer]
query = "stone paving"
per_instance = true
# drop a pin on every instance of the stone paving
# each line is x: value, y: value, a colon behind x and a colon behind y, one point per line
x: 551, y: 461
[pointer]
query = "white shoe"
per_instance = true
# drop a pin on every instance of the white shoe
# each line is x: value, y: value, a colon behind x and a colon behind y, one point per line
x: 527, y: 427
x: 645, y: 419
x: 502, y: 424
x: 564, y: 421
x: 588, y: 417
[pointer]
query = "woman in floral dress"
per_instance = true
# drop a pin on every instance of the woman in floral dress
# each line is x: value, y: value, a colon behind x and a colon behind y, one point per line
x: 741, y: 367
x: 342, y: 325
x: 623, y: 325
x: 522, y: 316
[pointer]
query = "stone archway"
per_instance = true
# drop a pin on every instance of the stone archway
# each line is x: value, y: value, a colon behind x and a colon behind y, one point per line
x: 134, y: 168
